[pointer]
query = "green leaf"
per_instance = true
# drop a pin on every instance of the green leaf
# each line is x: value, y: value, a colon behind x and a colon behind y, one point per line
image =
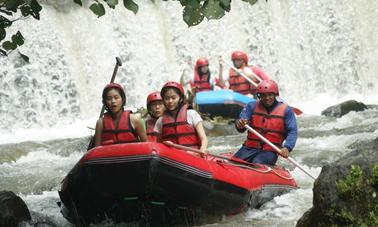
x: 4, y: 22
x: 212, y: 10
x: 130, y: 5
x: 12, y: 5
x: 184, y: 2
x: 36, y: 8
x: 78, y: 2
x: 24, y: 57
x: 3, y: 33
x: 98, y: 9
x: 18, y: 39
x: 251, y: 2
x: 112, y: 3
x: 8, y: 45
x: 26, y: 10
x: 192, y: 14
x: 225, y: 4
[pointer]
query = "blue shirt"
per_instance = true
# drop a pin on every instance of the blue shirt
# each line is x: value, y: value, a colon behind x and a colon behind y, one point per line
x: 289, y: 119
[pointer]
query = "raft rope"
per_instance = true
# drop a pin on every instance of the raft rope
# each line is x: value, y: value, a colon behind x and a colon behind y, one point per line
x: 261, y: 171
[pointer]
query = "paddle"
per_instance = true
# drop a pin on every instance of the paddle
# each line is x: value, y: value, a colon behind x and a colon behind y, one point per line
x: 181, y: 147
x: 278, y: 150
x: 118, y: 64
x: 241, y: 73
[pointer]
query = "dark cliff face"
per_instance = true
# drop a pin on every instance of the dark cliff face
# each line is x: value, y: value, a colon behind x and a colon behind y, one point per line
x: 346, y: 191
x: 343, y: 108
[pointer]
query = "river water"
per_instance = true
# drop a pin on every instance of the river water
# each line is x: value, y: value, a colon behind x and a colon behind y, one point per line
x: 321, y: 53
x: 35, y: 169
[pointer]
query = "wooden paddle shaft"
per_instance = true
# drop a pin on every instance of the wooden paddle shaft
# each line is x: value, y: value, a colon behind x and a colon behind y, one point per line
x: 278, y: 150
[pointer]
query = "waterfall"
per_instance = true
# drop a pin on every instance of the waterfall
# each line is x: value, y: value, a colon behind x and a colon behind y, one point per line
x: 309, y: 47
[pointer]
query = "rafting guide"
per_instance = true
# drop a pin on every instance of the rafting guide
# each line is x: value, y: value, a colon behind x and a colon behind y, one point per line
x: 273, y: 119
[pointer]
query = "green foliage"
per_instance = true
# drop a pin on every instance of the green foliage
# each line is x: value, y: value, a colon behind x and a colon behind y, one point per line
x: 352, y: 185
x: 342, y: 216
x: 361, y: 193
x: 130, y: 5
x: 98, y: 9
x: 374, y: 176
x: 8, y: 15
x: 251, y: 1
x: 194, y: 11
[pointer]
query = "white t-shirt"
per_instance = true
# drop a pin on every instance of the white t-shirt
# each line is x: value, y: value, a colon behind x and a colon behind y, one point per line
x: 193, y: 118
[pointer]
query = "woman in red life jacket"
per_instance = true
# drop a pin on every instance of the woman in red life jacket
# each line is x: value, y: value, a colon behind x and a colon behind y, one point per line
x: 118, y: 125
x: 202, y: 80
x: 237, y: 82
x: 272, y: 119
x: 155, y: 108
x: 180, y: 124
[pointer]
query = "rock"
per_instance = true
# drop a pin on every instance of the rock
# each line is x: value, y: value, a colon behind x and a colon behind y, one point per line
x: 13, y: 209
x: 346, y: 192
x: 344, y: 108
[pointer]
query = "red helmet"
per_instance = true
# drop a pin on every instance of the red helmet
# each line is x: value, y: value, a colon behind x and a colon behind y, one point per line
x: 236, y: 55
x: 115, y: 86
x: 172, y: 84
x: 202, y: 62
x: 267, y: 86
x: 154, y: 96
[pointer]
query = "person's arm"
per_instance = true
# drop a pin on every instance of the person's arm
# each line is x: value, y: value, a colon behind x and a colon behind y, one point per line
x: 98, y: 132
x: 196, y: 121
x: 139, y: 127
x: 292, y: 131
x: 244, y: 117
x: 260, y: 73
x: 184, y: 82
x: 158, y: 129
x: 221, y: 82
x: 202, y: 135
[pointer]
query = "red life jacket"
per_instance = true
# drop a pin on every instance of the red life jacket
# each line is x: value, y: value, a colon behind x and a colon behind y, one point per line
x: 201, y: 82
x: 239, y: 83
x: 177, y: 130
x: 125, y: 133
x: 151, y: 134
x: 271, y: 126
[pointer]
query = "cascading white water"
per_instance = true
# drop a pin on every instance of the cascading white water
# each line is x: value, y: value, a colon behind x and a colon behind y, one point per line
x: 308, y: 47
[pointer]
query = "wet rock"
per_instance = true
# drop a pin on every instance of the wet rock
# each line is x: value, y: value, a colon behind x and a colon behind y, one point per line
x: 344, y: 108
x: 346, y: 192
x: 13, y: 209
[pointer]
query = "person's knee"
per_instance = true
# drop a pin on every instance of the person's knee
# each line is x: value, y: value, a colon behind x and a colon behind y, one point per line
x: 267, y: 158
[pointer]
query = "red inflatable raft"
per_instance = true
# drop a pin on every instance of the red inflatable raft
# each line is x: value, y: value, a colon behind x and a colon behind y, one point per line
x: 155, y: 184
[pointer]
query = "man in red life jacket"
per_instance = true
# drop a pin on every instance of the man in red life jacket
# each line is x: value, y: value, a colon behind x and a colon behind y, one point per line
x: 118, y: 125
x: 272, y: 119
x: 155, y: 108
x: 237, y: 82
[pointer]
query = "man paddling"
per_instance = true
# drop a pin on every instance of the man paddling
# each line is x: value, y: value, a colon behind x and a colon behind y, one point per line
x: 273, y: 119
x: 236, y: 81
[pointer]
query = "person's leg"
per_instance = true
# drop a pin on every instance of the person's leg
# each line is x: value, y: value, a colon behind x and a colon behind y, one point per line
x: 265, y: 157
x: 246, y: 154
